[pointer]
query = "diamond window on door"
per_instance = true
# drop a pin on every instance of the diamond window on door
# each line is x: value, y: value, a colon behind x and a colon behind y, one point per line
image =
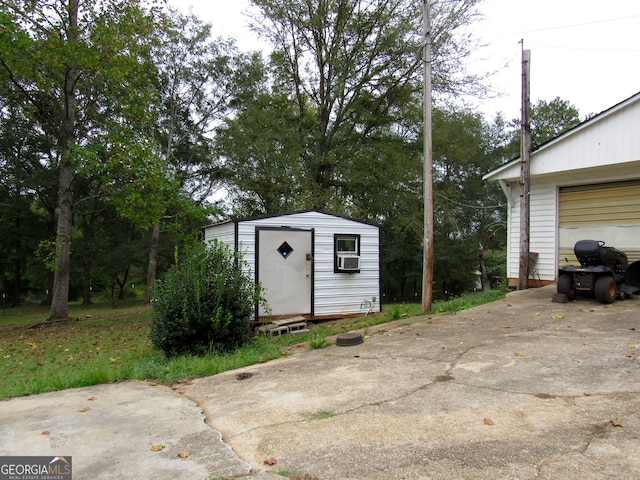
x: 285, y: 250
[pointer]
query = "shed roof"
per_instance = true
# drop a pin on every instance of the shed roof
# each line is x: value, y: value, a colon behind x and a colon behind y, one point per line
x: 295, y: 212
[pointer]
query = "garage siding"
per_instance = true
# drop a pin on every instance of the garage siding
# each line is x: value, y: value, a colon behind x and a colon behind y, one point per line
x: 542, y: 225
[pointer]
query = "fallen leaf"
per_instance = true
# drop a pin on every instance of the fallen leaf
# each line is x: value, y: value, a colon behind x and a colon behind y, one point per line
x: 156, y: 448
x: 46, y: 432
x: 84, y: 409
x: 537, y: 314
x: 91, y: 399
x: 270, y: 461
x: 615, y: 423
x: 632, y: 345
x: 518, y: 354
x: 632, y: 356
x: 587, y: 394
x: 488, y: 421
x: 184, y: 454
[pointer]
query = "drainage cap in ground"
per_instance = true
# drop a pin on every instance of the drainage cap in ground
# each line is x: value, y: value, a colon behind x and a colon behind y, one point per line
x: 347, y: 339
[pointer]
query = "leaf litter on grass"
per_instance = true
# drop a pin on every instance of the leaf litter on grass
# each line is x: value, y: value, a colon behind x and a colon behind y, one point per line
x: 67, y: 353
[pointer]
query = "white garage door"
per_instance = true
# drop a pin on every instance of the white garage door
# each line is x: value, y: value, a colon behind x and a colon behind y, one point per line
x: 609, y: 212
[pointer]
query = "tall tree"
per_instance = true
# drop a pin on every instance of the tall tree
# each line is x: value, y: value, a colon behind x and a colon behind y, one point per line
x: 468, y: 211
x: 64, y: 58
x: 354, y: 65
x: 548, y: 120
x: 263, y: 156
x: 197, y: 77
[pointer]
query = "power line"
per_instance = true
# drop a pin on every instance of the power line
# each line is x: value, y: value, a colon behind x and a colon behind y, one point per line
x: 624, y: 50
x: 475, y: 207
x: 560, y: 27
x: 580, y: 24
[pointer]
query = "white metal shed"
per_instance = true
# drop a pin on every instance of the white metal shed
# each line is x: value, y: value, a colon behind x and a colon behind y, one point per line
x: 585, y: 184
x: 310, y: 263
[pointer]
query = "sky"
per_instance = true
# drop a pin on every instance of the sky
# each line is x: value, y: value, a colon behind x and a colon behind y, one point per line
x: 584, y: 51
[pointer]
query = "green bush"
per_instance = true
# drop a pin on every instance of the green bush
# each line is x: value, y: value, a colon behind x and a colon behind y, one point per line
x: 496, y: 261
x: 204, y: 304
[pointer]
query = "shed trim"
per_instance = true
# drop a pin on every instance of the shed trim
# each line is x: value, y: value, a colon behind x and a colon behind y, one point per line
x: 294, y: 212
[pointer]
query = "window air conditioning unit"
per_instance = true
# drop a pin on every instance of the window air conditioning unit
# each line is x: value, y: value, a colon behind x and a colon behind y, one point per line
x: 348, y: 263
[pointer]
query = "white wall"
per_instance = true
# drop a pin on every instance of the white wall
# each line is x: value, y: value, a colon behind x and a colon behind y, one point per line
x: 602, y: 150
x: 543, y: 221
x: 334, y: 293
x: 225, y: 232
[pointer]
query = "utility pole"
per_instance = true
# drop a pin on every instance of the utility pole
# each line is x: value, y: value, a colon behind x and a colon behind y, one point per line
x: 427, y: 262
x: 525, y: 154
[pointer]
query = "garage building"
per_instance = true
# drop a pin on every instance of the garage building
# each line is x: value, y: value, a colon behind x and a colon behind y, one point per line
x: 584, y: 184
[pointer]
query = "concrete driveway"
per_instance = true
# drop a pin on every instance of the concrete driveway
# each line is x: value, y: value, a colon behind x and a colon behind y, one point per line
x: 521, y: 388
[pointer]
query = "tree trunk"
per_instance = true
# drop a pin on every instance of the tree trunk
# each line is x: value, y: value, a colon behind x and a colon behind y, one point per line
x: 60, y: 294
x: 88, y: 221
x: 121, y: 284
x: 86, y: 287
x: 482, y: 267
x: 17, y: 264
x: 153, y: 262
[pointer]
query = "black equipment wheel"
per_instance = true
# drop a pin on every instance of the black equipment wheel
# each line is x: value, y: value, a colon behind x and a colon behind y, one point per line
x: 566, y: 286
x: 605, y: 289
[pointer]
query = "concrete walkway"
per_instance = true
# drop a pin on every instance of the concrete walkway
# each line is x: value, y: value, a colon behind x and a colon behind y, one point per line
x: 521, y: 388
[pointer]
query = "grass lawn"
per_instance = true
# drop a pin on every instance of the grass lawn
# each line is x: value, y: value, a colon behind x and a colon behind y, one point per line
x: 106, y: 343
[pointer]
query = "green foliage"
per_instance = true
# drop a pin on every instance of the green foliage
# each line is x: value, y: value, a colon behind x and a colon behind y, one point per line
x: 320, y: 415
x: 496, y: 261
x: 397, y: 311
x: 548, y: 120
x: 317, y: 341
x: 204, y: 303
x: 467, y: 301
x: 107, y: 344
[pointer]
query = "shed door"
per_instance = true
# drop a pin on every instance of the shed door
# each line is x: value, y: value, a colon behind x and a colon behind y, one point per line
x: 285, y: 270
x: 609, y: 212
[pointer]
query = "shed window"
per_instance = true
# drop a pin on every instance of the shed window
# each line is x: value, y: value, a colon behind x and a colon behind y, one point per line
x: 285, y: 250
x: 346, y: 253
